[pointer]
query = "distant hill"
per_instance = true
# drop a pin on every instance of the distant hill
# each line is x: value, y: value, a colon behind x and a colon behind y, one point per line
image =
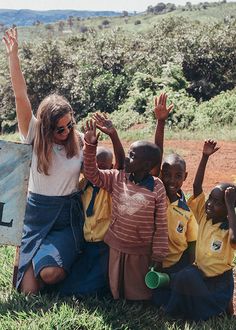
x: 26, y: 17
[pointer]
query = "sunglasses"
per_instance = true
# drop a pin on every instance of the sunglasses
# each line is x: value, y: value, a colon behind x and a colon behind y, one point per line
x: 69, y: 126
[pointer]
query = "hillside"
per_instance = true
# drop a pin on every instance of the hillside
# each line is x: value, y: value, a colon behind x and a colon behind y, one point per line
x: 64, y: 24
x: 118, y: 64
x: 25, y: 17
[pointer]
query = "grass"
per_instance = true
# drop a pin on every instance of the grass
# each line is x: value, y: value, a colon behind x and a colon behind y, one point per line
x: 11, y: 137
x: 147, y: 133
x: 50, y: 312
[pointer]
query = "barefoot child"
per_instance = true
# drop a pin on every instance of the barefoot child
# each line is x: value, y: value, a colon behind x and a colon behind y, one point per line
x: 205, y: 289
x: 182, y: 225
x: 138, y: 231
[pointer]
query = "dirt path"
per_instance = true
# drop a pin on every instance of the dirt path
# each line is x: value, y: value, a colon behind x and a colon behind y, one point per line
x: 221, y: 166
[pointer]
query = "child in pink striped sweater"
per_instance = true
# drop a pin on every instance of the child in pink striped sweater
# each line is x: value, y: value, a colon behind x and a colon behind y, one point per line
x: 138, y: 233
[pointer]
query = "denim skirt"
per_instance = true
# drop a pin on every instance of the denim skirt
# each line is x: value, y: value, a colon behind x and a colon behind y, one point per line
x: 52, y: 233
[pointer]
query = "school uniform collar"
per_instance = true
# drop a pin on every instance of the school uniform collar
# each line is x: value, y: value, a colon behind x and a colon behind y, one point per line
x: 90, y: 209
x: 224, y: 225
x: 182, y: 201
x: 147, y: 182
x: 89, y: 184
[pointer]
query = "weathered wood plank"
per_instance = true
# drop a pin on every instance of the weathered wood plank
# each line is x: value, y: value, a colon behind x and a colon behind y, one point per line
x: 15, y: 161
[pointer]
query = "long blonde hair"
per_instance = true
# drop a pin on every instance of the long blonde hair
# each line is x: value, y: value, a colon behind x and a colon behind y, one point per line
x: 50, y: 110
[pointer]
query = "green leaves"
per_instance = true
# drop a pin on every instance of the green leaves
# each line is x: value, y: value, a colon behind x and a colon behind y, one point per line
x: 118, y: 70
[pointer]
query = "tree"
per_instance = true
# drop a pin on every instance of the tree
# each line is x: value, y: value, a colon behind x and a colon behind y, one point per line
x: 150, y: 10
x: 160, y: 7
x: 70, y: 21
x: 2, y: 27
x: 188, y: 5
x: 61, y: 26
x: 50, y: 29
x: 105, y: 22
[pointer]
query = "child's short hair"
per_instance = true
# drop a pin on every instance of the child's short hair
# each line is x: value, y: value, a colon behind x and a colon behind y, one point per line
x: 173, y: 159
x: 104, y: 153
x: 224, y: 185
x: 150, y: 152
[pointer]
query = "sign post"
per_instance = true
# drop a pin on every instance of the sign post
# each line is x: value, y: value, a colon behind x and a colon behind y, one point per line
x: 15, y: 159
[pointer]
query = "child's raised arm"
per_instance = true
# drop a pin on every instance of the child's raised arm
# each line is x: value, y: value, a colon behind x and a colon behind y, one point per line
x: 105, y: 125
x: 161, y: 113
x: 23, y: 106
x: 209, y: 148
x: 230, y: 201
x: 100, y: 178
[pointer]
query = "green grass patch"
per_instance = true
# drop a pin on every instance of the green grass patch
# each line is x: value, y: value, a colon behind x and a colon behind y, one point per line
x: 48, y: 312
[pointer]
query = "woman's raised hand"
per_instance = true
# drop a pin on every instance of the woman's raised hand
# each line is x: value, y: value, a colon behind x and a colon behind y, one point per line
x: 10, y: 40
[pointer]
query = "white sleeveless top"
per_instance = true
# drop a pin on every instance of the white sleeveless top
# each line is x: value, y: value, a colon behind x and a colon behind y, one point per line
x: 63, y: 173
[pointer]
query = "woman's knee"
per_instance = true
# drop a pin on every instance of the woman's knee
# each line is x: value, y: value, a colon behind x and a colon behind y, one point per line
x: 52, y: 275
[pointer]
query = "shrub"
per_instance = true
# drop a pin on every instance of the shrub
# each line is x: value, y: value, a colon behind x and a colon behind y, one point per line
x: 209, y: 59
x: 220, y: 110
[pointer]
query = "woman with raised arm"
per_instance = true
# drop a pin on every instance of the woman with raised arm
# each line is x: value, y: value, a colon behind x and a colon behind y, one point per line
x: 53, y: 224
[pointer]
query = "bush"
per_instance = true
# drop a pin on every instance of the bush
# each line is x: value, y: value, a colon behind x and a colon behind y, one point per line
x: 208, y: 61
x: 220, y: 110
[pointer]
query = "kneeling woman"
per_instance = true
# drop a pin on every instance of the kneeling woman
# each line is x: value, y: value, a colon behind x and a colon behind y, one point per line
x: 53, y: 226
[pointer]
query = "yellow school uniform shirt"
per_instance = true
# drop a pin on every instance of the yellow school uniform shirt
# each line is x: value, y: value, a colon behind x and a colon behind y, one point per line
x: 214, y: 254
x: 96, y: 225
x: 182, y: 229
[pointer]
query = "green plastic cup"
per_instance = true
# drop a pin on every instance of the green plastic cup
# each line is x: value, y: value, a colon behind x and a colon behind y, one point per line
x: 155, y: 279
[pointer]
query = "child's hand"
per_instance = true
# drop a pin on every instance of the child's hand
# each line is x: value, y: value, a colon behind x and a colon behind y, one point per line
x: 89, y: 130
x: 209, y: 147
x: 230, y: 196
x: 104, y: 123
x: 156, y: 265
x: 10, y: 41
x: 160, y: 109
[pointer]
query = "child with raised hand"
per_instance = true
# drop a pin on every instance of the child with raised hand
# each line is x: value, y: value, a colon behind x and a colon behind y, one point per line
x: 138, y: 231
x: 182, y: 225
x: 89, y: 274
x: 205, y: 289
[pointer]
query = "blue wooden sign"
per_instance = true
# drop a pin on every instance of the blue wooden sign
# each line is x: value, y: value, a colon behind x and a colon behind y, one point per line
x: 15, y: 159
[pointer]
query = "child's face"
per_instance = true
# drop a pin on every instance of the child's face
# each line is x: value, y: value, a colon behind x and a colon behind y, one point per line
x: 215, y: 205
x: 134, y: 163
x: 173, y: 176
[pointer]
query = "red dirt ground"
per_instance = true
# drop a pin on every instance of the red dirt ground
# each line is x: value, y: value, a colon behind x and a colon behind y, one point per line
x: 221, y: 166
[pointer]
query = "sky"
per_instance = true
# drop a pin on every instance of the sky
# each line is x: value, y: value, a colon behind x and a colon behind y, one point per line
x: 115, y: 5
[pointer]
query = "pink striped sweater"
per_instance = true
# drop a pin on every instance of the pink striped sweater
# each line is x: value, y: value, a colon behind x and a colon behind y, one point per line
x: 139, y: 224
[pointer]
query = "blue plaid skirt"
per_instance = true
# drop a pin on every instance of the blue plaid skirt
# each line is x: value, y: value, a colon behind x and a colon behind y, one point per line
x: 52, y: 233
